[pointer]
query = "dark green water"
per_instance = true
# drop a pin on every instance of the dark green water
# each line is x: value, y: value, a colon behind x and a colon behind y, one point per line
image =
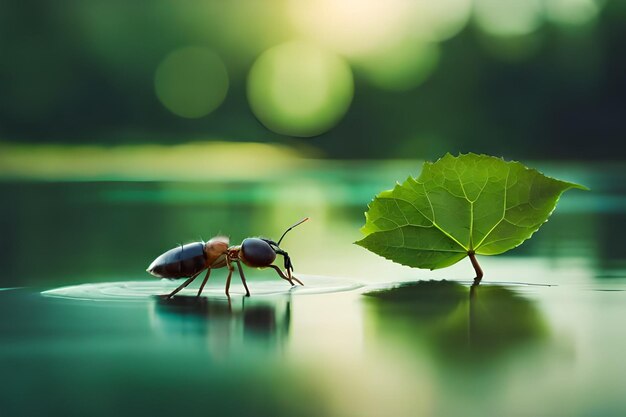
x: 544, y: 336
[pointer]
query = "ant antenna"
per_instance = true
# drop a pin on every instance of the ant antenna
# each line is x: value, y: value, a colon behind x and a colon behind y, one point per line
x: 297, y: 224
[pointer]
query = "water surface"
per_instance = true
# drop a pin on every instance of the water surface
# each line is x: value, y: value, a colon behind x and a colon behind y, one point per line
x: 543, y: 336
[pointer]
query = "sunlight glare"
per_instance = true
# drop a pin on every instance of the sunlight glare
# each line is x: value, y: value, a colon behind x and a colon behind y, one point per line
x: 352, y: 27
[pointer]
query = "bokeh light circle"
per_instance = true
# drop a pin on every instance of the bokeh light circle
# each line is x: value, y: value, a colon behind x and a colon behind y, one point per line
x: 572, y: 12
x: 439, y: 20
x: 191, y: 82
x: 402, y: 67
x: 299, y: 89
x: 509, y: 17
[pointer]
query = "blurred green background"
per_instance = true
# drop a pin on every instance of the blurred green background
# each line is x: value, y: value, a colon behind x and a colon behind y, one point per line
x: 530, y: 79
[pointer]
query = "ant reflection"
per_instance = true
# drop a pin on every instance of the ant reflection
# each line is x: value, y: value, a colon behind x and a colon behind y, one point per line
x: 225, y: 325
x: 481, y: 320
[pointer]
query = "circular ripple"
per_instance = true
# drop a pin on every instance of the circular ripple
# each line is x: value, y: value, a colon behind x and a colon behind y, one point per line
x: 141, y: 290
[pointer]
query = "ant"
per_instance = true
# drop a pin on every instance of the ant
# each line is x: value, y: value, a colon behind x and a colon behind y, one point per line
x: 191, y: 259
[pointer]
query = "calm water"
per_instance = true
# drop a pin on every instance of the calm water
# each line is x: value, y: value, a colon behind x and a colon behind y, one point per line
x: 544, y: 336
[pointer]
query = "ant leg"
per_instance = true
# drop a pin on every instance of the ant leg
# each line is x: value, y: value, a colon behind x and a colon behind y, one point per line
x: 230, y: 274
x: 288, y: 268
x: 291, y: 276
x: 297, y: 280
x: 243, y: 278
x: 183, y: 285
x: 280, y: 273
x: 283, y: 276
x: 206, y: 278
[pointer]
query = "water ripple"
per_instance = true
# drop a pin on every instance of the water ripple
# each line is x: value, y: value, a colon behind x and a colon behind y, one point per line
x: 142, y: 290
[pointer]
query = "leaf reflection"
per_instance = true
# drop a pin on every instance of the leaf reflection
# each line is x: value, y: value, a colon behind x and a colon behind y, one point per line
x: 457, y: 321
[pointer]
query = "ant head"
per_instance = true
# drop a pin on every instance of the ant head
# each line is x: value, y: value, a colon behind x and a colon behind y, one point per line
x: 276, y: 246
x: 257, y: 252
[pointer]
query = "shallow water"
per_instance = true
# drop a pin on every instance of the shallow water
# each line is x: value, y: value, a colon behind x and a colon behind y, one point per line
x: 83, y: 332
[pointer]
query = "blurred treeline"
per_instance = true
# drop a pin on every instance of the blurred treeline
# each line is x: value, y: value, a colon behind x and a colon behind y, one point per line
x: 83, y: 72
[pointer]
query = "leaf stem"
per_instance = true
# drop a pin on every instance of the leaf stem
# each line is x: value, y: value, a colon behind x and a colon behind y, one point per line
x: 479, y: 271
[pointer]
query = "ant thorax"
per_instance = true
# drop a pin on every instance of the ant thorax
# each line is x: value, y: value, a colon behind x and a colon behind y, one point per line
x: 217, y: 244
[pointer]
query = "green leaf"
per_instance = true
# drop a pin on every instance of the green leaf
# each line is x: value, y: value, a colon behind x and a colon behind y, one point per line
x: 460, y: 205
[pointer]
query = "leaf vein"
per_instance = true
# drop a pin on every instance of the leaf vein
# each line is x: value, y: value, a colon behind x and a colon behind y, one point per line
x: 426, y: 249
x: 395, y: 200
x: 435, y: 223
x: 506, y: 183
